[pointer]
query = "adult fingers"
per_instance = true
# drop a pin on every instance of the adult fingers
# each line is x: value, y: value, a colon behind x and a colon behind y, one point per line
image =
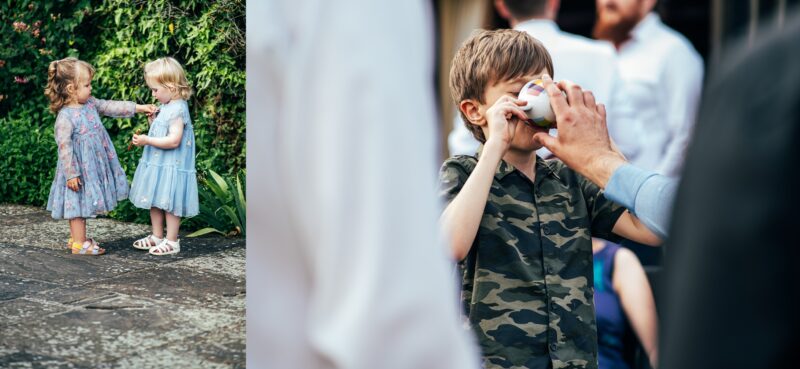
x: 601, y: 109
x: 588, y: 98
x: 544, y: 139
x: 574, y: 92
x: 557, y: 100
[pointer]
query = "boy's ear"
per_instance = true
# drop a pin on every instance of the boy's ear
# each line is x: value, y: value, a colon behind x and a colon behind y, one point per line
x: 470, y: 109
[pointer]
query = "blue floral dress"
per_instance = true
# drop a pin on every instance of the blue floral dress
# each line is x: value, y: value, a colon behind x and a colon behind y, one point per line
x: 166, y: 178
x: 85, y: 150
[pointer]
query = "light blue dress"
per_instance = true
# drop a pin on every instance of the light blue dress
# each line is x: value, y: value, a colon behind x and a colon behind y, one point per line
x: 85, y: 150
x: 166, y: 179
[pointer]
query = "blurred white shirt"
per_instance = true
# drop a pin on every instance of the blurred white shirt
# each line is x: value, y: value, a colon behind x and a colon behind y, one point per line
x: 590, y: 63
x: 345, y: 265
x: 662, y: 77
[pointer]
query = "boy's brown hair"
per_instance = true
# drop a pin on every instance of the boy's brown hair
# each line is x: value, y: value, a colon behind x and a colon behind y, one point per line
x: 488, y: 57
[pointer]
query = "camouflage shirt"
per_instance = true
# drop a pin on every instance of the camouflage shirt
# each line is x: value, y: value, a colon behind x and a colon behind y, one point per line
x: 527, y: 283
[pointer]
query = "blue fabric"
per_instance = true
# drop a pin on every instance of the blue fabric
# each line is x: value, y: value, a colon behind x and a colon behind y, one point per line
x: 85, y: 151
x: 612, y: 324
x: 647, y: 194
x: 166, y: 179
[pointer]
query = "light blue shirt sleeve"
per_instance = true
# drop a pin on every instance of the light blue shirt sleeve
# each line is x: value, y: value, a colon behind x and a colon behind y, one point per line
x: 647, y: 194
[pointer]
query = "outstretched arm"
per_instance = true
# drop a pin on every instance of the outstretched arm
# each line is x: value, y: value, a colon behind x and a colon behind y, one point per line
x: 583, y: 144
x: 646, y: 194
x: 122, y: 109
x: 632, y: 228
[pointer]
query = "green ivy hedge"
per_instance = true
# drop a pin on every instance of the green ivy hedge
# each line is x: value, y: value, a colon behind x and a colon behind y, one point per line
x: 118, y: 38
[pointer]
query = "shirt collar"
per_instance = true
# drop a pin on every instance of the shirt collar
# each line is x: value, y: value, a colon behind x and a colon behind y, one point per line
x: 646, y: 26
x: 537, y: 26
x: 505, y: 168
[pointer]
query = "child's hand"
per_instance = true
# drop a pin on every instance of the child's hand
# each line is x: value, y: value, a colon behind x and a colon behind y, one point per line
x: 74, y: 184
x: 502, y: 119
x: 140, y: 140
x: 151, y: 117
x: 148, y: 109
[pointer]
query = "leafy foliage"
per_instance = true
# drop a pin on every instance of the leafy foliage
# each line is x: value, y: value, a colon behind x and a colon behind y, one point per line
x: 118, y: 37
x: 222, y: 205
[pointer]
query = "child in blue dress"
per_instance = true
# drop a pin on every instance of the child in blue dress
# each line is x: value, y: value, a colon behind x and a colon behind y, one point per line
x: 89, y: 179
x: 165, y: 180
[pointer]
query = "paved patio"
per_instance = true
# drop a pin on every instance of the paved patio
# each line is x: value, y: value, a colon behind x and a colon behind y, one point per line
x: 125, y: 309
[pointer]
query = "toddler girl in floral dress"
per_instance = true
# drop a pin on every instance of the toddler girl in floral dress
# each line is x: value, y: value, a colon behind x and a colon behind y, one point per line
x: 89, y: 179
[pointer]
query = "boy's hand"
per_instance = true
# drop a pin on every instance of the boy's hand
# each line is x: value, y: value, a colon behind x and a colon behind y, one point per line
x: 502, y: 119
x: 148, y: 109
x: 151, y: 117
x: 140, y: 140
x: 74, y: 184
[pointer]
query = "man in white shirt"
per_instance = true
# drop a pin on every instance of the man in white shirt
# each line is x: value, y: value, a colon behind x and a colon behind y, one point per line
x: 662, y: 77
x: 589, y: 63
x: 345, y: 268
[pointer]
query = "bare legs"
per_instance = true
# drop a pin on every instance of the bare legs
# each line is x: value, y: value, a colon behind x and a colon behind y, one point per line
x: 77, y: 232
x: 77, y: 229
x: 157, y: 222
x: 173, y: 225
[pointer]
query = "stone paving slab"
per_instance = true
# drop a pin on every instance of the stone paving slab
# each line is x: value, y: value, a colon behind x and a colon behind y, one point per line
x: 62, y: 268
x: 220, y: 348
x: 190, y: 248
x: 31, y: 226
x: 19, y: 360
x: 126, y: 309
x: 178, y: 286
x: 24, y: 310
x: 12, y: 287
x: 227, y: 263
x: 93, y: 335
x: 70, y: 295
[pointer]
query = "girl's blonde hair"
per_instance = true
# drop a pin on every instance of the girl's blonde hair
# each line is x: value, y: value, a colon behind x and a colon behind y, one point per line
x: 168, y: 72
x: 61, y: 74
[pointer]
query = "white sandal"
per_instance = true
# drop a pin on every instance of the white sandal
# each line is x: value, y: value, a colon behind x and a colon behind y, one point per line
x: 166, y: 247
x: 147, y: 243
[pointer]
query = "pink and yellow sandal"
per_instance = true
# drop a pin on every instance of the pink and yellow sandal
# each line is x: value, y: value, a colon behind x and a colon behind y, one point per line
x: 88, y: 247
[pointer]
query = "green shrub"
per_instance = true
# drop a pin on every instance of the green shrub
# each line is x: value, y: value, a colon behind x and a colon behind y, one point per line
x: 118, y: 38
x: 222, y: 205
x: 34, y: 34
x: 27, y: 164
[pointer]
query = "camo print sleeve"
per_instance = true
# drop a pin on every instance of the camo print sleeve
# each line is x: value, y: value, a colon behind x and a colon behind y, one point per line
x: 604, y: 212
x: 453, y: 175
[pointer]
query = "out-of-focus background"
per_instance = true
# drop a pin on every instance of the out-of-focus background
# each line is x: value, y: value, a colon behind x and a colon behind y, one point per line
x: 710, y: 25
